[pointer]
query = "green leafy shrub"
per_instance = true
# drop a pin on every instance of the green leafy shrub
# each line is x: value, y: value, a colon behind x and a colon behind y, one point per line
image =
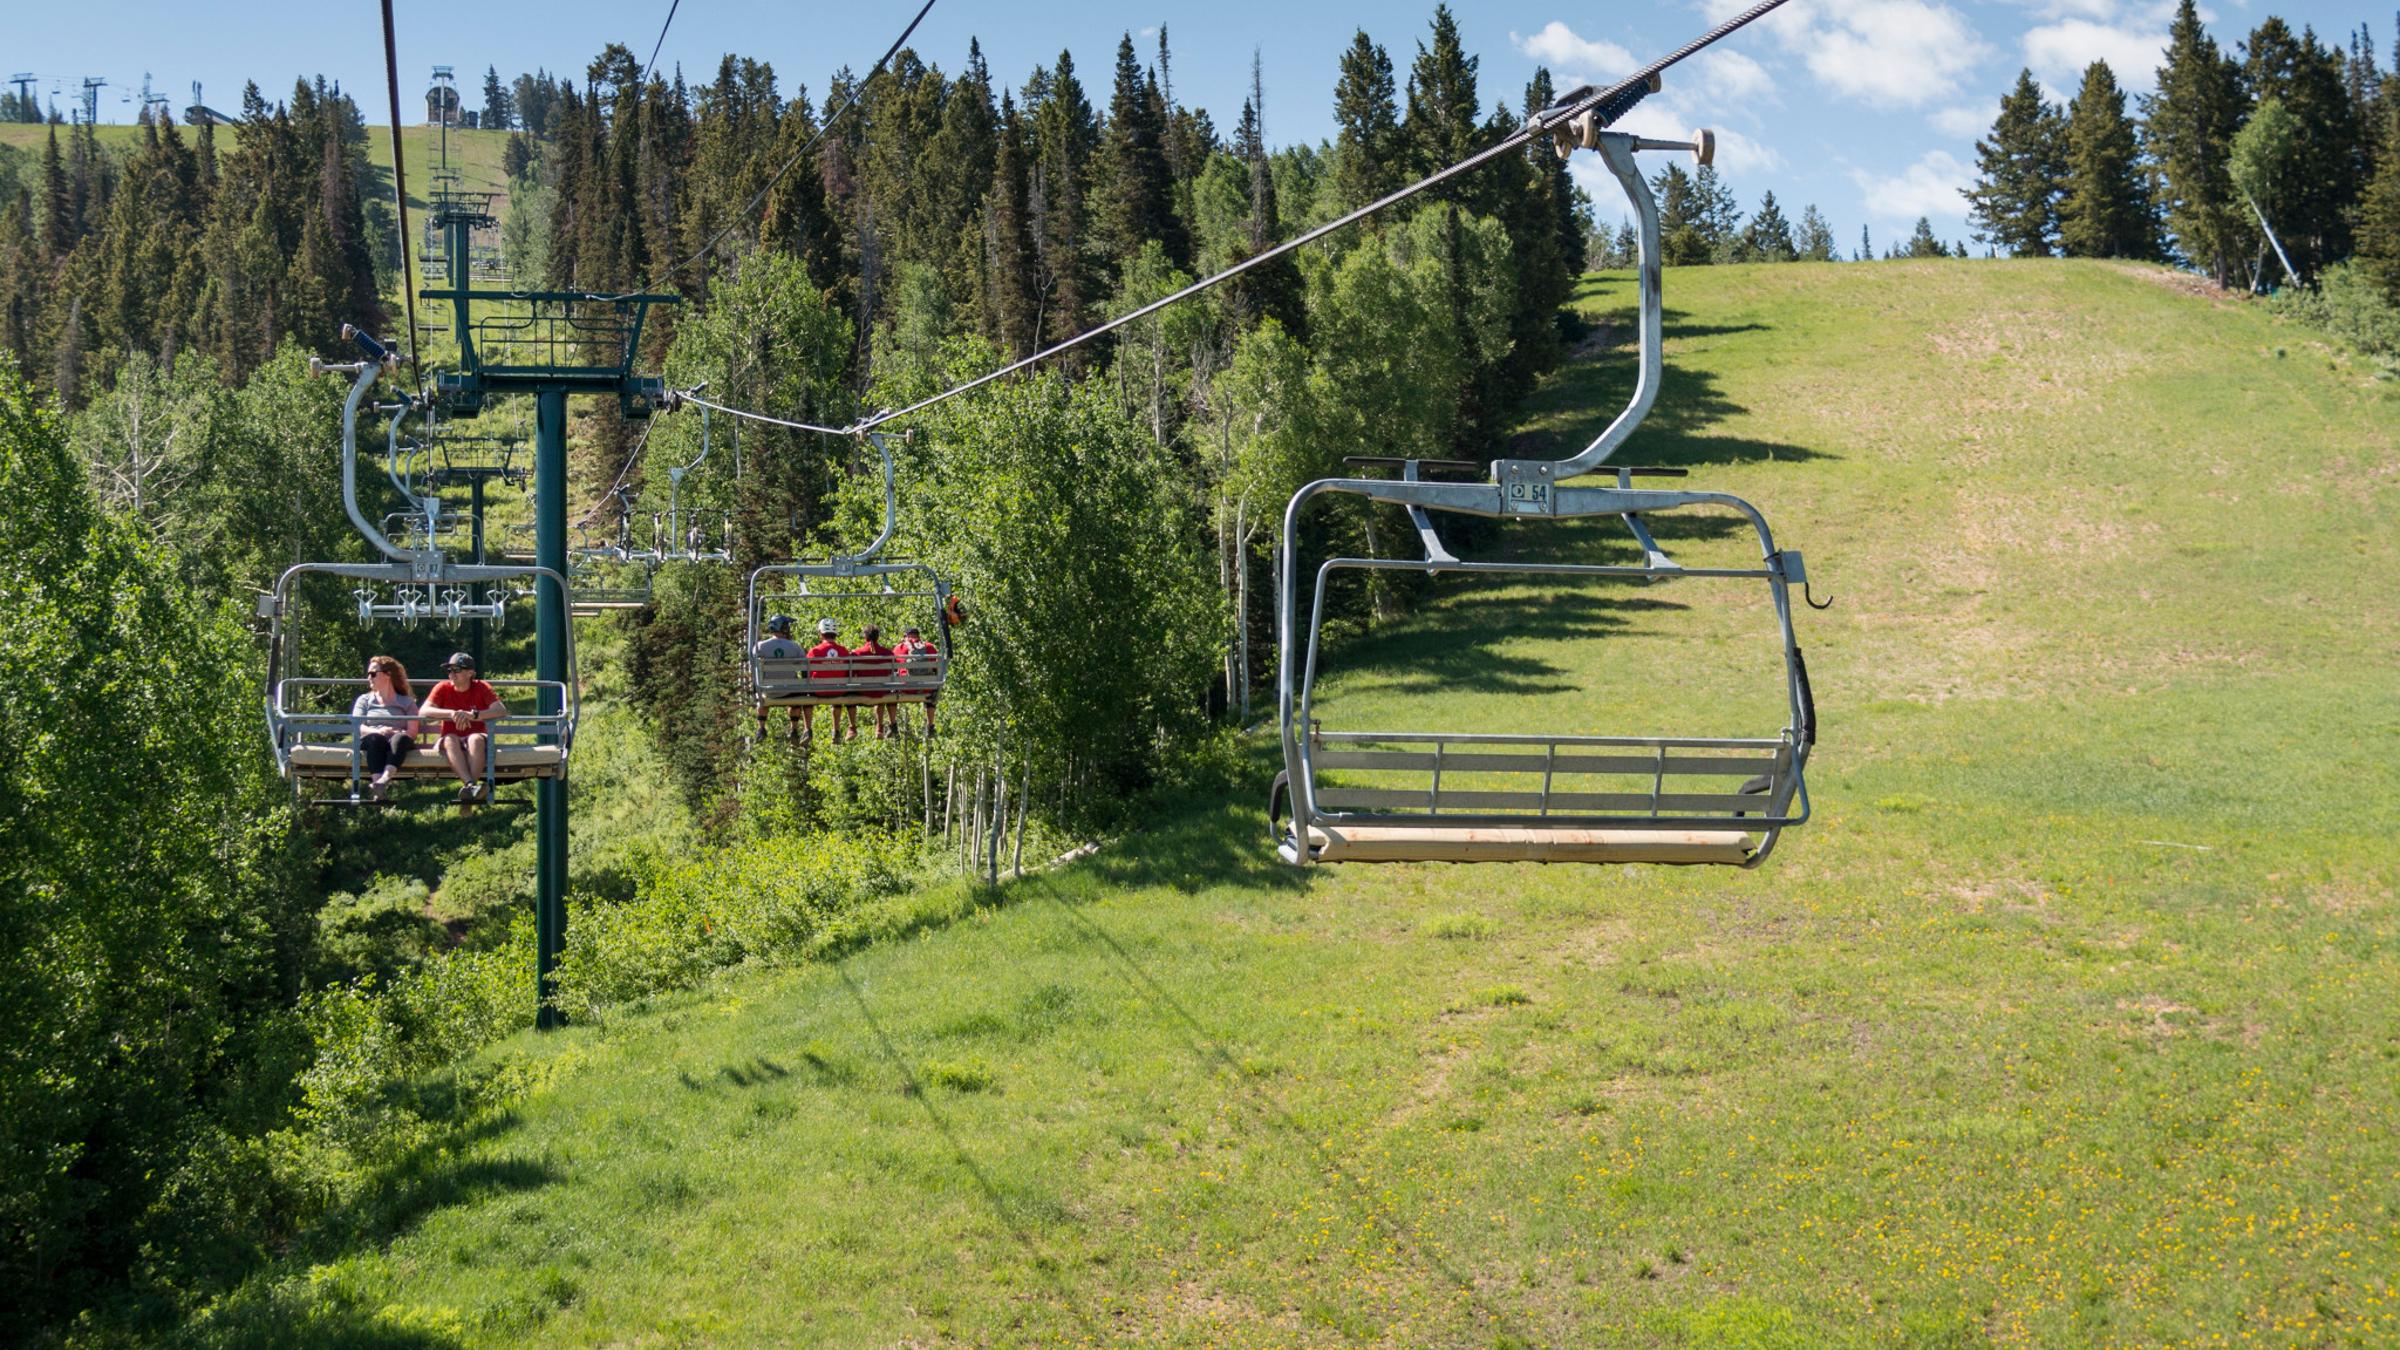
x: 2347, y: 304
x: 770, y: 898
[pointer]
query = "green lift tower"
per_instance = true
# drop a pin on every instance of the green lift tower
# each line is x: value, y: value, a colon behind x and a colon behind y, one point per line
x: 550, y: 344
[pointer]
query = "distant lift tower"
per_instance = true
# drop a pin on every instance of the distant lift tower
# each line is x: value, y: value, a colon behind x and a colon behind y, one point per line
x: 548, y: 344
x: 24, y: 80
x: 92, y: 85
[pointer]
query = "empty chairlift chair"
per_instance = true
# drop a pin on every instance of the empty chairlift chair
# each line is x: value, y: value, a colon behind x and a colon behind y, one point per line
x: 1464, y: 797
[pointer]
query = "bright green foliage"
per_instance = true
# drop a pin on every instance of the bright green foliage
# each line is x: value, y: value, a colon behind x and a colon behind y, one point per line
x: 2014, y: 202
x: 769, y: 899
x: 1389, y: 351
x: 2265, y: 153
x: 2105, y: 212
x: 148, y: 891
x: 2347, y: 303
x: 2188, y: 127
x: 1091, y: 629
x: 1153, y: 355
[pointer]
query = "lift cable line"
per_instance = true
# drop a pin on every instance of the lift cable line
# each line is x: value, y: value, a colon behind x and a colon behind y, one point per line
x: 408, y: 279
x: 1608, y: 104
x: 692, y: 397
x: 1605, y: 106
x: 802, y: 153
x: 652, y: 64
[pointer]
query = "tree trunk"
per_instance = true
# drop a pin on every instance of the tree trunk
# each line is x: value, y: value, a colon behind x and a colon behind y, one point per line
x: 1241, y: 601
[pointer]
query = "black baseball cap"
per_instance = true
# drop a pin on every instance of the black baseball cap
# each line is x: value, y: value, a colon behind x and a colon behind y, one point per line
x: 459, y: 661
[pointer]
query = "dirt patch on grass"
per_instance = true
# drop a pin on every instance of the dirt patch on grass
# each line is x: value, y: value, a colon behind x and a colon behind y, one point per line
x: 2186, y: 283
x: 2154, y: 1018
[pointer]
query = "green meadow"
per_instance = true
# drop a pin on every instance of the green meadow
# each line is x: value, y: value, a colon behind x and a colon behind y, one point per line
x: 2069, y: 1019
x: 474, y: 155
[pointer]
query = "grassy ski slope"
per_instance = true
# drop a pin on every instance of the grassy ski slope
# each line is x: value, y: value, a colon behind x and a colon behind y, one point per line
x: 2070, y: 1019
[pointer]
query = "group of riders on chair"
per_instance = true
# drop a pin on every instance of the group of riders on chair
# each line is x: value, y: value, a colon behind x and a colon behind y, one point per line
x: 869, y: 661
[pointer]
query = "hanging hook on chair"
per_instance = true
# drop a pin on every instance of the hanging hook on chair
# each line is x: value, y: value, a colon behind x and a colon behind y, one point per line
x: 1811, y: 600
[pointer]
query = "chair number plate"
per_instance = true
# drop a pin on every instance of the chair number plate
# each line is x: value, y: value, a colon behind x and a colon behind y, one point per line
x: 1532, y: 494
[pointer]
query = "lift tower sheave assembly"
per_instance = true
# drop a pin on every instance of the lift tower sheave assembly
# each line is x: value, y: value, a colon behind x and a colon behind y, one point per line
x: 548, y: 344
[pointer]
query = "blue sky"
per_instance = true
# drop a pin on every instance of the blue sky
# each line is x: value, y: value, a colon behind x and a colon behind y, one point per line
x: 1868, y: 108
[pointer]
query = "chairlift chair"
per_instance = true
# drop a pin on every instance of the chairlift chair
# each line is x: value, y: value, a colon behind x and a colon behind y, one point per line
x: 1460, y: 797
x: 309, y: 726
x: 849, y: 582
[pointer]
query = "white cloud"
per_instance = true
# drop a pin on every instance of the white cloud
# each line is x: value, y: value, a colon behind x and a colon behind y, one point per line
x: 1558, y: 47
x: 1933, y: 186
x: 1966, y: 121
x: 1893, y: 52
x: 1890, y: 53
x: 1731, y: 75
x: 2058, y: 53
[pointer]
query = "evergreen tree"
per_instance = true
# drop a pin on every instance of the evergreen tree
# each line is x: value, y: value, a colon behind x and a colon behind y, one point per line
x: 1012, y: 305
x: 1570, y: 214
x: 1065, y: 134
x: 1132, y: 191
x: 1627, y: 249
x: 1718, y: 214
x: 1770, y: 235
x: 1922, y: 244
x: 2379, y: 204
x: 1815, y: 243
x: 2014, y: 202
x: 1271, y: 291
x: 1368, y: 163
x: 1866, y: 246
x: 2322, y: 173
x: 2105, y: 212
x: 1683, y: 219
x: 1444, y: 123
x: 58, y: 205
x: 2188, y: 125
x: 498, y: 112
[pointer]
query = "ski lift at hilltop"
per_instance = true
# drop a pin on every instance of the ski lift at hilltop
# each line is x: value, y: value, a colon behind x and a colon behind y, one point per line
x: 310, y: 726
x: 853, y: 583
x: 1456, y: 797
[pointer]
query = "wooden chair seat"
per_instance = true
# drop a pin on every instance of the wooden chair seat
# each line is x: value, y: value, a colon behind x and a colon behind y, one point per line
x: 1485, y: 843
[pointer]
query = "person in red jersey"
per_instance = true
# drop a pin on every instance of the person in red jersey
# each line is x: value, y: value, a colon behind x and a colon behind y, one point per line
x: 833, y: 662
x: 457, y: 709
x: 871, y: 660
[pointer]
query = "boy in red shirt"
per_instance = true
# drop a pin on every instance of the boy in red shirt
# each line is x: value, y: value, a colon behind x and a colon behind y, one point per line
x: 835, y: 663
x: 456, y: 710
x: 871, y: 660
x: 914, y: 644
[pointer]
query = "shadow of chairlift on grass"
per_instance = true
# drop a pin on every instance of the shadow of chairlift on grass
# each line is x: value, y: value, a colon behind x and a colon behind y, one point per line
x: 1675, y: 433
